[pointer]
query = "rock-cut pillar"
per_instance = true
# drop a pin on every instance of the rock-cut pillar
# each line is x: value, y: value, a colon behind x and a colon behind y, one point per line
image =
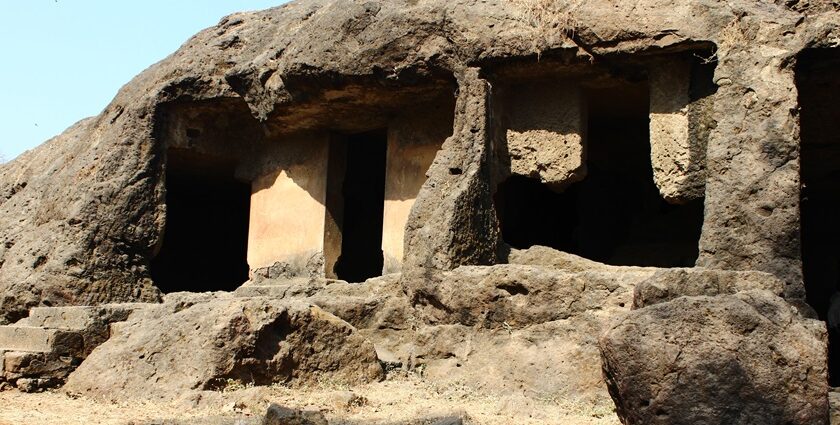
x: 678, y: 139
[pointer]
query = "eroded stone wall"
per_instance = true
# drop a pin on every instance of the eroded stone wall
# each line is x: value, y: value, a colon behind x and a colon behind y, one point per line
x: 414, y: 139
x: 288, y: 207
x: 678, y: 157
x: 545, y: 131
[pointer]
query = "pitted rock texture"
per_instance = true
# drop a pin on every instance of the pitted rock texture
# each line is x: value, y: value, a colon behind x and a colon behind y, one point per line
x: 83, y: 214
x: 666, y: 285
x: 517, y: 296
x: 259, y: 341
x: 546, y: 135
x: 747, y: 358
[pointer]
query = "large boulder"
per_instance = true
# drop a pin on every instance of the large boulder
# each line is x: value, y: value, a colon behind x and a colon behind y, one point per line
x: 747, y: 358
x: 210, y: 345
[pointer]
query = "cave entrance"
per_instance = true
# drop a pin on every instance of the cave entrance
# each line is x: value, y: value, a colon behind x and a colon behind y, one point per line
x: 818, y: 82
x: 615, y: 215
x: 356, y: 202
x: 205, y: 241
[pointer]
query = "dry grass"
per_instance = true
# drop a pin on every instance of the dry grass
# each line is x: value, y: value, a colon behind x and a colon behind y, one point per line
x: 547, y: 15
x: 733, y: 35
x: 552, y: 20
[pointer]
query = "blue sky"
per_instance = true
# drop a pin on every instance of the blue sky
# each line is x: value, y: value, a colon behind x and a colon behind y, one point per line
x: 64, y: 60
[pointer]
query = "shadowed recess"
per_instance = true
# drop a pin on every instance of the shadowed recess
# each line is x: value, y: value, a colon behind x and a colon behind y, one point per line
x: 818, y: 81
x: 615, y: 215
x: 205, y: 241
x: 363, y: 192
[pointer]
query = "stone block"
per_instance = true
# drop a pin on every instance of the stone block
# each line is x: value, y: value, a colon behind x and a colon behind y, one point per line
x: 545, y: 138
x: 669, y: 284
x: 40, y: 340
x: 77, y: 317
x: 38, y: 365
x: 33, y: 385
x: 678, y: 139
x: 279, y: 415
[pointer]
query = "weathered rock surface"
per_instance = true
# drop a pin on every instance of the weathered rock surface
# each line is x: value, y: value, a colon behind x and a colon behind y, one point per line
x: 40, y: 351
x: 279, y: 415
x: 378, y: 303
x: 746, y: 358
x: 208, y: 345
x: 834, y: 401
x: 549, y: 257
x: 514, y: 329
x: 666, y: 285
x: 83, y: 214
x: 517, y: 296
x: 509, y: 329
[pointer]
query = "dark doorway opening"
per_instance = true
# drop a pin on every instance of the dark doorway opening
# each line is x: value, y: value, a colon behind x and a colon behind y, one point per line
x: 206, y: 238
x: 818, y: 82
x: 531, y: 214
x: 615, y: 215
x: 363, y: 193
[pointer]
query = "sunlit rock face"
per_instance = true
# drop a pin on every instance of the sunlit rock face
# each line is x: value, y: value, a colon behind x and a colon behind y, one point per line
x: 516, y: 167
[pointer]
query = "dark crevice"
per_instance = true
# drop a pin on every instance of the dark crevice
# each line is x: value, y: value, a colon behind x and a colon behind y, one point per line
x: 514, y: 288
x: 363, y: 192
x: 818, y: 82
x: 615, y: 215
x: 206, y: 237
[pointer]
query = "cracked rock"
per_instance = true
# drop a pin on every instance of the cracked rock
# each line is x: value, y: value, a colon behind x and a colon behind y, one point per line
x: 747, y: 358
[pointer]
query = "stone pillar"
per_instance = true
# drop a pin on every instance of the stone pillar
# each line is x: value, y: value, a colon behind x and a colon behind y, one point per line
x: 677, y: 137
x: 752, y: 194
x: 546, y: 132
x: 288, y: 208
x: 452, y: 222
x: 414, y: 139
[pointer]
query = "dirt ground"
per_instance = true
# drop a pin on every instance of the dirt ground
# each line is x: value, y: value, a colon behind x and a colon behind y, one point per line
x: 395, y: 400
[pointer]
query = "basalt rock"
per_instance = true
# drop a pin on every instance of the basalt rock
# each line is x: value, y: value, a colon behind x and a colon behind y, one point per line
x: 211, y: 345
x: 746, y: 358
x: 83, y: 215
x: 270, y: 96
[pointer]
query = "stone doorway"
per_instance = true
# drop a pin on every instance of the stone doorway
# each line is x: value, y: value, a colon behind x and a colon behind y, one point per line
x: 205, y: 242
x: 615, y: 214
x: 818, y: 82
x: 356, y: 202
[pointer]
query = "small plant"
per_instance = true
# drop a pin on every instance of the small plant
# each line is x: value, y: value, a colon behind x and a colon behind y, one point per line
x: 231, y: 385
x: 734, y: 35
x: 549, y: 18
x: 547, y: 15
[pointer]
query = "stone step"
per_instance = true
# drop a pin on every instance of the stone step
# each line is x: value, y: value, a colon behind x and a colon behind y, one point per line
x: 77, y: 317
x: 41, y: 340
x: 275, y: 291
x: 58, y: 317
x: 41, y: 350
x: 21, y: 364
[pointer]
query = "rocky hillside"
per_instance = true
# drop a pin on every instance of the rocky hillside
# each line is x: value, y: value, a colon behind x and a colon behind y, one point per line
x: 715, y: 330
